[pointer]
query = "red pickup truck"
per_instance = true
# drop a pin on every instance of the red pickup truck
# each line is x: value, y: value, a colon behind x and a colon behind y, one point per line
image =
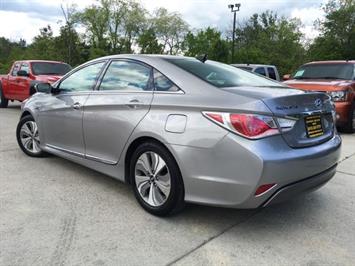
x: 337, y: 79
x: 18, y: 84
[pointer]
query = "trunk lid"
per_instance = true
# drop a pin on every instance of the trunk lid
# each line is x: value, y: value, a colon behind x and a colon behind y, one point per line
x: 310, y: 110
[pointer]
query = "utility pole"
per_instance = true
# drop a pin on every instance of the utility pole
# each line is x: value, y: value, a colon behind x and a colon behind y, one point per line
x: 68, y: 25
x: 234, y: 9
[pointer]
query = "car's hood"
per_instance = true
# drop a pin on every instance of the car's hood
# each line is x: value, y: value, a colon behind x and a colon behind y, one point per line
x: 318, y: 85
x: 48, y: 78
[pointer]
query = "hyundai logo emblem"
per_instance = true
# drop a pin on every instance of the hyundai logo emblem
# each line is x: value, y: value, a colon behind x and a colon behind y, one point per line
x: 318, y: 103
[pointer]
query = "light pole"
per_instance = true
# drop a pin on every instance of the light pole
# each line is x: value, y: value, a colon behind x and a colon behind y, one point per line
x: 234, y: 8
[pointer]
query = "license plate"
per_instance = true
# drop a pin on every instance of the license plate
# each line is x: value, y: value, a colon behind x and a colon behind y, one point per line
x: 314, y: 126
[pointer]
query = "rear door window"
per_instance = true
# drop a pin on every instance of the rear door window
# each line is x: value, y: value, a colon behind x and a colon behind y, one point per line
x: 272, y: 73
x: 260, y: 71
x: 126, y: 76
x: 162, y: 83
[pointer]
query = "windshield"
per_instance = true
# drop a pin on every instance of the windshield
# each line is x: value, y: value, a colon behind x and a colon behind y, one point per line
x: 222, y: 75
x: 45, y: 68
x: 325, y: 71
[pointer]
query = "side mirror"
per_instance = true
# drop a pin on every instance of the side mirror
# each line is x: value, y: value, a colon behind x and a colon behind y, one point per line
x: 22, y: 73
x: 43, y: 87
x: 286, y: 77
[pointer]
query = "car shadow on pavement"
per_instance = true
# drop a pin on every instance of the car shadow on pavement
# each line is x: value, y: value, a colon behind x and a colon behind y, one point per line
x: 193, y: 212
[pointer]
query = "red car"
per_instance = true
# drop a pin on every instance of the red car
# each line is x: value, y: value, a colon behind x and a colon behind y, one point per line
x: 337, y: 79
x: 18, y: 84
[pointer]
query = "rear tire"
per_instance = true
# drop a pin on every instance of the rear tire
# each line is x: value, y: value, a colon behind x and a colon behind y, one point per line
x: 3, y: 101
x: 156, y: 179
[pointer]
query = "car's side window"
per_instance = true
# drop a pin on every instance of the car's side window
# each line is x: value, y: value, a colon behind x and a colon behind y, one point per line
x: 272, y: 73
x: 82, y: 80
x: 15, y: 69
x: 126, y: 76
x: 260, y: 70
x: 162, y: 83
x: 25, y: 67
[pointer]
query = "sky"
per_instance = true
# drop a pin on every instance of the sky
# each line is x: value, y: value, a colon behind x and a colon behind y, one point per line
x: 24, y: 18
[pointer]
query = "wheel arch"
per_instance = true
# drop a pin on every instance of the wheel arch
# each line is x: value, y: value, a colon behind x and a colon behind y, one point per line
x: 134, y: 145
x: 26, y: 113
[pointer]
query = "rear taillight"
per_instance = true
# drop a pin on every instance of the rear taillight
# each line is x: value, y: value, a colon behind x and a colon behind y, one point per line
x: 251, y: 126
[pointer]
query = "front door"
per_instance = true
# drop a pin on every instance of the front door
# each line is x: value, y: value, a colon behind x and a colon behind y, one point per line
x: 112, y: 112
x: 61, y: 115
x: 13, y: 81
x: 23, y: 83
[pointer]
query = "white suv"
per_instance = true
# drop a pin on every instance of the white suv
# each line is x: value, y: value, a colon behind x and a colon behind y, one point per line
x: 269, y: 71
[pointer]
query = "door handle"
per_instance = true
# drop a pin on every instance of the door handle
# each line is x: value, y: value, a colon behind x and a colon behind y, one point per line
x: 76, y: 106
x: 134, y: 103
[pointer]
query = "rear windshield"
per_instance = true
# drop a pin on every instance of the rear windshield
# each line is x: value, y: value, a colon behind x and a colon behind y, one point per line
x: 325, y: 71
x: 45, y: 68
x: 222, y: 75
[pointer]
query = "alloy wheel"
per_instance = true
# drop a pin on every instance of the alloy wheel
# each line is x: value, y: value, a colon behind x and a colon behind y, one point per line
x: 29, y: 137
x: 152, y: 178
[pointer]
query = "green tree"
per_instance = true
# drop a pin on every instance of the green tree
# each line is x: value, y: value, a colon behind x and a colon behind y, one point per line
x: 170, y: 30
x: 68, y: 46
x: 148, y: 43
x: 208, y: 41
x: 42, y: 46
x: 113, y: 26
x: 95, y: 19
x: 268, y: 39
x: 337, y: 32
x: 10, y: 51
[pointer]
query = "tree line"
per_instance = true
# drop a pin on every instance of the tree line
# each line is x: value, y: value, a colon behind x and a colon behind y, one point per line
x: 125, y: 26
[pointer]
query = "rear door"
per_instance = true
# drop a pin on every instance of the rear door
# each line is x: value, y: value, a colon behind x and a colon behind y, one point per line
x: 113, y: 111
x: 61, y: 115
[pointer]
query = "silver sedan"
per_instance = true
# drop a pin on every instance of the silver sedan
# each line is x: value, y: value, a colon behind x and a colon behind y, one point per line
x: 181, y: 129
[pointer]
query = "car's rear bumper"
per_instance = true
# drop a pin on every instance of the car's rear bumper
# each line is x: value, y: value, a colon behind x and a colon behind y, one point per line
x: 296, y: 188
x: 229, y: 173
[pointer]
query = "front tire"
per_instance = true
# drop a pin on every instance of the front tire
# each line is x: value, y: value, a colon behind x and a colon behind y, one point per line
x: 28, y: 137
x: 3, y: 101
x: 156, y: 179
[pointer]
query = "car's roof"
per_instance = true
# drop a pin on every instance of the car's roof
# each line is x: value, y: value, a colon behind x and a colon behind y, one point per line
x: 252, y: 65
x: 40, y: 61
x: 154, y: 60
x: 332, y: 62
x: 143, y: 57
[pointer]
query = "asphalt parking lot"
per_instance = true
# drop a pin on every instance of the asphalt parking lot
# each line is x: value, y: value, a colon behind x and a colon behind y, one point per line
x: 54, y: 212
